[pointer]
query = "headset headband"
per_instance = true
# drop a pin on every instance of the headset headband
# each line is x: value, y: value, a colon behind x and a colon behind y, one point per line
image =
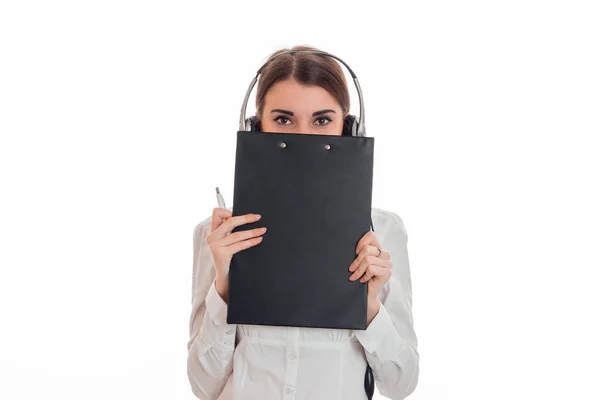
x: 361, y: 121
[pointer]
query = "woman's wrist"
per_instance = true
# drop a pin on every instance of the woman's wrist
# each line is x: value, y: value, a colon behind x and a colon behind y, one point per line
x: 373, y: 305
x: 222, y: 289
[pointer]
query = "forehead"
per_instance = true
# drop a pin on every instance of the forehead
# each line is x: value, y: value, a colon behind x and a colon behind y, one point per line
x: 294, y: 96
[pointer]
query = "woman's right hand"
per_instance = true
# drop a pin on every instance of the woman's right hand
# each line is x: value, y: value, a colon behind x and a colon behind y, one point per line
x: 224, y: 244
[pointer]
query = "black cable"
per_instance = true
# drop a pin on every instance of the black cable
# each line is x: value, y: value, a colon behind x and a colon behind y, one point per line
x: 369, y: 380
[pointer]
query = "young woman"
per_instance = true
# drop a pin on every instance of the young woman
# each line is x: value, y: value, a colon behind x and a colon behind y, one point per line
x: 305, y: 93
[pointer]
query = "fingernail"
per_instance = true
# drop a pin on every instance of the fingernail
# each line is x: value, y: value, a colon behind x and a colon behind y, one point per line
x: 257, y: 216
x: 263, y: 230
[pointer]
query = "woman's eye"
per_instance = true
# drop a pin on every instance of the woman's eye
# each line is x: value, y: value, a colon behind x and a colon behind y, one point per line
x: 280, y: 118
x: 323, y: 121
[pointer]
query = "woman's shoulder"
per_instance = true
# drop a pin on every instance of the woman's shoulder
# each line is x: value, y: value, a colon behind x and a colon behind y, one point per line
x: 386, y: 214
x: 204, y: 224
x: 387, y: 221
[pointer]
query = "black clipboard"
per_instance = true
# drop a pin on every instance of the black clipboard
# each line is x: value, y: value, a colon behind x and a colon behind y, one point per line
x: 314, y: 194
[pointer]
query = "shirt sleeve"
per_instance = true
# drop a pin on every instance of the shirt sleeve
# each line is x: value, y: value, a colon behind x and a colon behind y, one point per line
x: 390, y: 341
x: 212, y: 339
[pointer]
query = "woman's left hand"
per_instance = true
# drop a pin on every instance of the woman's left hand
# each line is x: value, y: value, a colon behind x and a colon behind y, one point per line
x: 371, y: 266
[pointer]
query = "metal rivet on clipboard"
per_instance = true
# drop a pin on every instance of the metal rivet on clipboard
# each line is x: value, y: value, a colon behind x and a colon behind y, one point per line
x: 327, y: 147
x: 282, y: 145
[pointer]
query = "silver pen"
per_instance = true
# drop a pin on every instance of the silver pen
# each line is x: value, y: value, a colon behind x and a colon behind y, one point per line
x: 220, y: 199
x: 221, y: 203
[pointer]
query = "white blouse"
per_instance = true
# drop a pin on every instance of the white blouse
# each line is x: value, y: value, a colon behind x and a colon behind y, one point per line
x: 231, y: 362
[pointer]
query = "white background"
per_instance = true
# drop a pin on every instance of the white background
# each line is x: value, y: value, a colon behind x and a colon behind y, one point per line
x: 118, y: 119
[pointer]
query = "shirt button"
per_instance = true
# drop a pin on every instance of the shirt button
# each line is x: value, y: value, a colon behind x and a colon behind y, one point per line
x: 289, y: 390
x: 229, y: 332
x: 292, y: 357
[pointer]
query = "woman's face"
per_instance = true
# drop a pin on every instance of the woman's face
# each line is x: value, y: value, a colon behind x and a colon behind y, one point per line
x: 294, y: 108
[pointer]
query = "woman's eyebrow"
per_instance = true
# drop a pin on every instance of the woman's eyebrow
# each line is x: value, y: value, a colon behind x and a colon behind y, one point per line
x: 291, y: 114
x: 322, y: 112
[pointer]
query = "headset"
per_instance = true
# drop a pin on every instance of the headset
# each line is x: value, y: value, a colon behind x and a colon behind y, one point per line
x: 352, y: 125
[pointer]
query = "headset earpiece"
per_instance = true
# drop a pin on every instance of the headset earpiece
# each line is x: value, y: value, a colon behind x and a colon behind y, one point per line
x: 252, y: 125
x: 350, y: 126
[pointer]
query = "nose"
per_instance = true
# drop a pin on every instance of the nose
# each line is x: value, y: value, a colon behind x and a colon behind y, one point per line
x: 305, y: 127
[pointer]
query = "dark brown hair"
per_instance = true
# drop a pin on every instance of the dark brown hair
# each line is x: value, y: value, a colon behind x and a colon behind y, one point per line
x: 306, y: 69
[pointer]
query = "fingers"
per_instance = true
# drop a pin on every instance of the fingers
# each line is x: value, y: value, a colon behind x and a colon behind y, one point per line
x: 367, y: 261
x: 242, y: 235
x: 234, y: 243
x: 224, y: 228
x: 366, y: 251
x: 218, y: 215
x: 368, y: 255
x: 376, y: 270
x: 368, y: 238
x: 235, y: 246
x: 243, y: 245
